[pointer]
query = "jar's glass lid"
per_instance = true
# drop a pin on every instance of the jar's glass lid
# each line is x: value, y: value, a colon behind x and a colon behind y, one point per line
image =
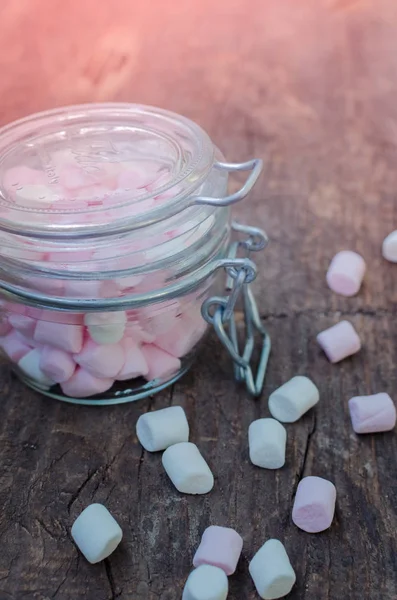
x: 97, y: 169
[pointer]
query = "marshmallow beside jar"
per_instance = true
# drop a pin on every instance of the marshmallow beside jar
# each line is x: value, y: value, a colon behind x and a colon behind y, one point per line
x: 106, y: 256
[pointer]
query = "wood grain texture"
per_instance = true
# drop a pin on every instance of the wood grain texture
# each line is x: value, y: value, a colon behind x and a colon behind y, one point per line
x: 311, y: 87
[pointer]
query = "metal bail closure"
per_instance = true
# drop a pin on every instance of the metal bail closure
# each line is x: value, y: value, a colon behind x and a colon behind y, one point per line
x: 254, y: 166
x: 219, y: 311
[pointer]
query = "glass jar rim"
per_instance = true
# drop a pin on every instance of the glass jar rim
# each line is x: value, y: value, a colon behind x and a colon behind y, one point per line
x: 181, y: 148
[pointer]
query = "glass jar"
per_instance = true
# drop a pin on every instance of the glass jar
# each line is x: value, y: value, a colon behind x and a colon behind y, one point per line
x: 115, y: 230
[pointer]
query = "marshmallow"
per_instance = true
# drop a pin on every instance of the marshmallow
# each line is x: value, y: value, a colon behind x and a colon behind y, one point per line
x: 206, y: 583
x: 101, y: 360
x: 162, y: 428
x: 96, y: 533
x: 220, y: 547
x: 314, y: 504
x: 159, y: 319
x: 56, y: 364
x: 267, y: 441
x: 60, y: 335
x: 290, y: 401
x: 389, y: 247
x: 16, y: 177
x: 106, y: 328
x: 372, y: 414
x: 30, y: 365
x: 187, y: 469
x: 14, y: 346
x: 183, y: 336
x: 346, y: 272
x: 272, y: 571
x: 339, y: 341
x: 135, y: 363
x: 161, y: 364
x: 26, y: 325
x: 82, y: 384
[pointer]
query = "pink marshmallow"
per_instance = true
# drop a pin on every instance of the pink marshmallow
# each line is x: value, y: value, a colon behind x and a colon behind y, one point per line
x: 55, y: 316
x: 339, y: 341
x: 314, y: 505
x: 220, y: 547
x: 346, y: 272
x: 56, y: 364
x: 135, y: 363
x: 161, y: 318
x: 14, y: 347
x: 161, y: 364
x: 82, y: 289
x: 183, y: 337
x: 372, y: 414
x: 101, y: 360
x: 47, y: 285
x: 60, y: 335
x: 83, y: 384
x: 73, y: 177
x: 26, y: 339
x: 25, y: 325
x: 132, y: 179
x: 17, y: 177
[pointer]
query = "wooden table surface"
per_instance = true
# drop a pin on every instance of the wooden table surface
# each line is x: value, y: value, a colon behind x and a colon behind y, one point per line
x: 311, y: 87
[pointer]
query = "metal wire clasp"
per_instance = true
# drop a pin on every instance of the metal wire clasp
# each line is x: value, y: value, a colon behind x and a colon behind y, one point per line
x: 219, y: 310
x: 254, y: 166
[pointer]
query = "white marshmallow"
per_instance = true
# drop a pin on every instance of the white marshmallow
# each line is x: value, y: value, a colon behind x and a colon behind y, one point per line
x: 290, y: 401
x: 389, y: 247
x: 160, y: 429
x: 30, y: 365
x: 187, y: 469
x: 271, y: 571
x: 106, y: 327
x: 267, y: 440
x: 206, y: 583
x: 96, y: 533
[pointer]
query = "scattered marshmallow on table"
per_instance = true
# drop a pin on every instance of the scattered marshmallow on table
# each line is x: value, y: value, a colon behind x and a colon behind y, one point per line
x: 220, y: 547
x: 96, y: 533
x: 267, y: 441
x: 293, y: 399
x: 187, y: 469
x: 339, y: 341
x: 160, y: 429
x: 272, y: 571
x: 372, y: 414
x: 346, y: 272
x: 107, y: 327
x: 314, y: 504
x: 389, y: 247
x: 30, y: 365
x: 206, y: 583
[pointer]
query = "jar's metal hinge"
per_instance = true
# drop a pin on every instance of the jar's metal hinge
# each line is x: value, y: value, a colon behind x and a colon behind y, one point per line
x: 220, y: 310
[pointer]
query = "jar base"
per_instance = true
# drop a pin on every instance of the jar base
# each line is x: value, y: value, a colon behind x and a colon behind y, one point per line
x: 113, y: 396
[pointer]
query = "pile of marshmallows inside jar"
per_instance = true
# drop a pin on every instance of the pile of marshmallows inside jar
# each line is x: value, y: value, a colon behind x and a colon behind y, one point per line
x: 86, y: 353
